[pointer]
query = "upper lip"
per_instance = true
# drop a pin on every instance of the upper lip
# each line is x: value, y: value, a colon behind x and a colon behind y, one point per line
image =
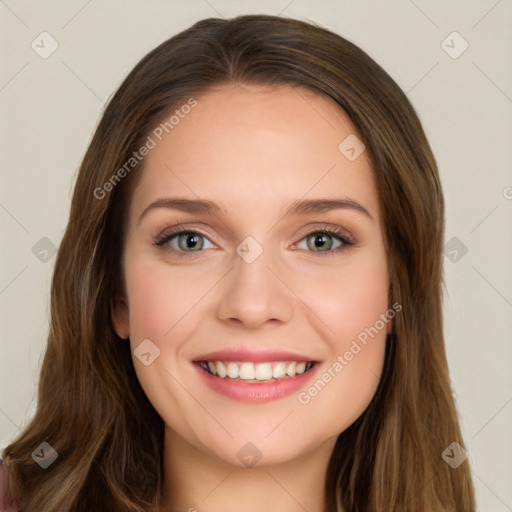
x: 254, y: 355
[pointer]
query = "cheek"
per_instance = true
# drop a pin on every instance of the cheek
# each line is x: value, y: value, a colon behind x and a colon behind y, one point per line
x: 350, y: 299
x: 159, y: 299
x: 163, y: 308
x: 352, y: 304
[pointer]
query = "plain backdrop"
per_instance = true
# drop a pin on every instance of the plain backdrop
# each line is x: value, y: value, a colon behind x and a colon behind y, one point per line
x: 452, y: 58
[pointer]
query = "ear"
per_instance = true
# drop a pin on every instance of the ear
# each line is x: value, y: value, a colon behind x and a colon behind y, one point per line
x: 119, y: 314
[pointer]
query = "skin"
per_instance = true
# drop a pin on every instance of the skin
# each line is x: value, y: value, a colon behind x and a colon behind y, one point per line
x: 254, y: 150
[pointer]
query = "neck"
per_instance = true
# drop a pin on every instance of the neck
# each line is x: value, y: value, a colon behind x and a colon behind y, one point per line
x: 197, y: 481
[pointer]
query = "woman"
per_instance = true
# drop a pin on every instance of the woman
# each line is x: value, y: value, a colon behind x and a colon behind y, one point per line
x: 202, y: 348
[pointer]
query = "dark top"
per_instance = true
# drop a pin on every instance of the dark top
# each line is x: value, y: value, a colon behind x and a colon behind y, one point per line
x: 5, y: 502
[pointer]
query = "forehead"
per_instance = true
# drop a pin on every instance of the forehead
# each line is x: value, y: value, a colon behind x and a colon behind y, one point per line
x: 251, y: 145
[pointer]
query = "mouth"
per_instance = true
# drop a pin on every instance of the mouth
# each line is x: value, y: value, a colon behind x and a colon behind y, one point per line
x: 254, y: 373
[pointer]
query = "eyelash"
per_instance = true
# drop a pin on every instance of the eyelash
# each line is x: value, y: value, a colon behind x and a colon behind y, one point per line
x: 338, y: 233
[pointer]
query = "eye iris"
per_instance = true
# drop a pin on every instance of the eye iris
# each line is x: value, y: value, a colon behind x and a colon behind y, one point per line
x: 318, y: 244
x: 188, y: 237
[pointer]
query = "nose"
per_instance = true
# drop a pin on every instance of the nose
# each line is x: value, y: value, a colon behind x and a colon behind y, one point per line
x: 253, y: 294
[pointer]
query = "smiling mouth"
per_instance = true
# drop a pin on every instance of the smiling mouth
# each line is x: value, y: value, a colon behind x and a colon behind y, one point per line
x: 246, y: 371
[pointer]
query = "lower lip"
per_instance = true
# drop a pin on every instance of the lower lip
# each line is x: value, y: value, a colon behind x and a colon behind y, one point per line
x: 256, y: 392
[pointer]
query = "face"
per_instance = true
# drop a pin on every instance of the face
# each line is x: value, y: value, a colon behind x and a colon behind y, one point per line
x: 256, y: 278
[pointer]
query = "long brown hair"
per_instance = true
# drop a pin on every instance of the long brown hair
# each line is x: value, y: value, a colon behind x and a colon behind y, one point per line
x: 91, y: 408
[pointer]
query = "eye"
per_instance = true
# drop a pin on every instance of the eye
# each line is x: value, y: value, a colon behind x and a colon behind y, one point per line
x: 184, y: 240
x: 329, y: 241
x: 323, y: 241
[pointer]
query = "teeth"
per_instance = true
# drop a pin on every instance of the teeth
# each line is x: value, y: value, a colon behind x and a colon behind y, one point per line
x: 279, y: 371
x: 221, y: 369
x: 248, y: 371
x: 212, y: 368
x: 290, y: 369
x: 232, y: 370
x: 300, y: 368
x: 263, y: 371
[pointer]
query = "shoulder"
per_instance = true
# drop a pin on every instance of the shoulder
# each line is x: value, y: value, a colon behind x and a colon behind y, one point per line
x: 5, y: 503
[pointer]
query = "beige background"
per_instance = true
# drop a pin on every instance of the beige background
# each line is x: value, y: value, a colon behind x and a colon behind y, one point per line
x: 50, y: 106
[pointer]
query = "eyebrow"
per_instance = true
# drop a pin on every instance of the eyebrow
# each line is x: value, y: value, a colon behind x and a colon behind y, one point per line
x: 298, y: 207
